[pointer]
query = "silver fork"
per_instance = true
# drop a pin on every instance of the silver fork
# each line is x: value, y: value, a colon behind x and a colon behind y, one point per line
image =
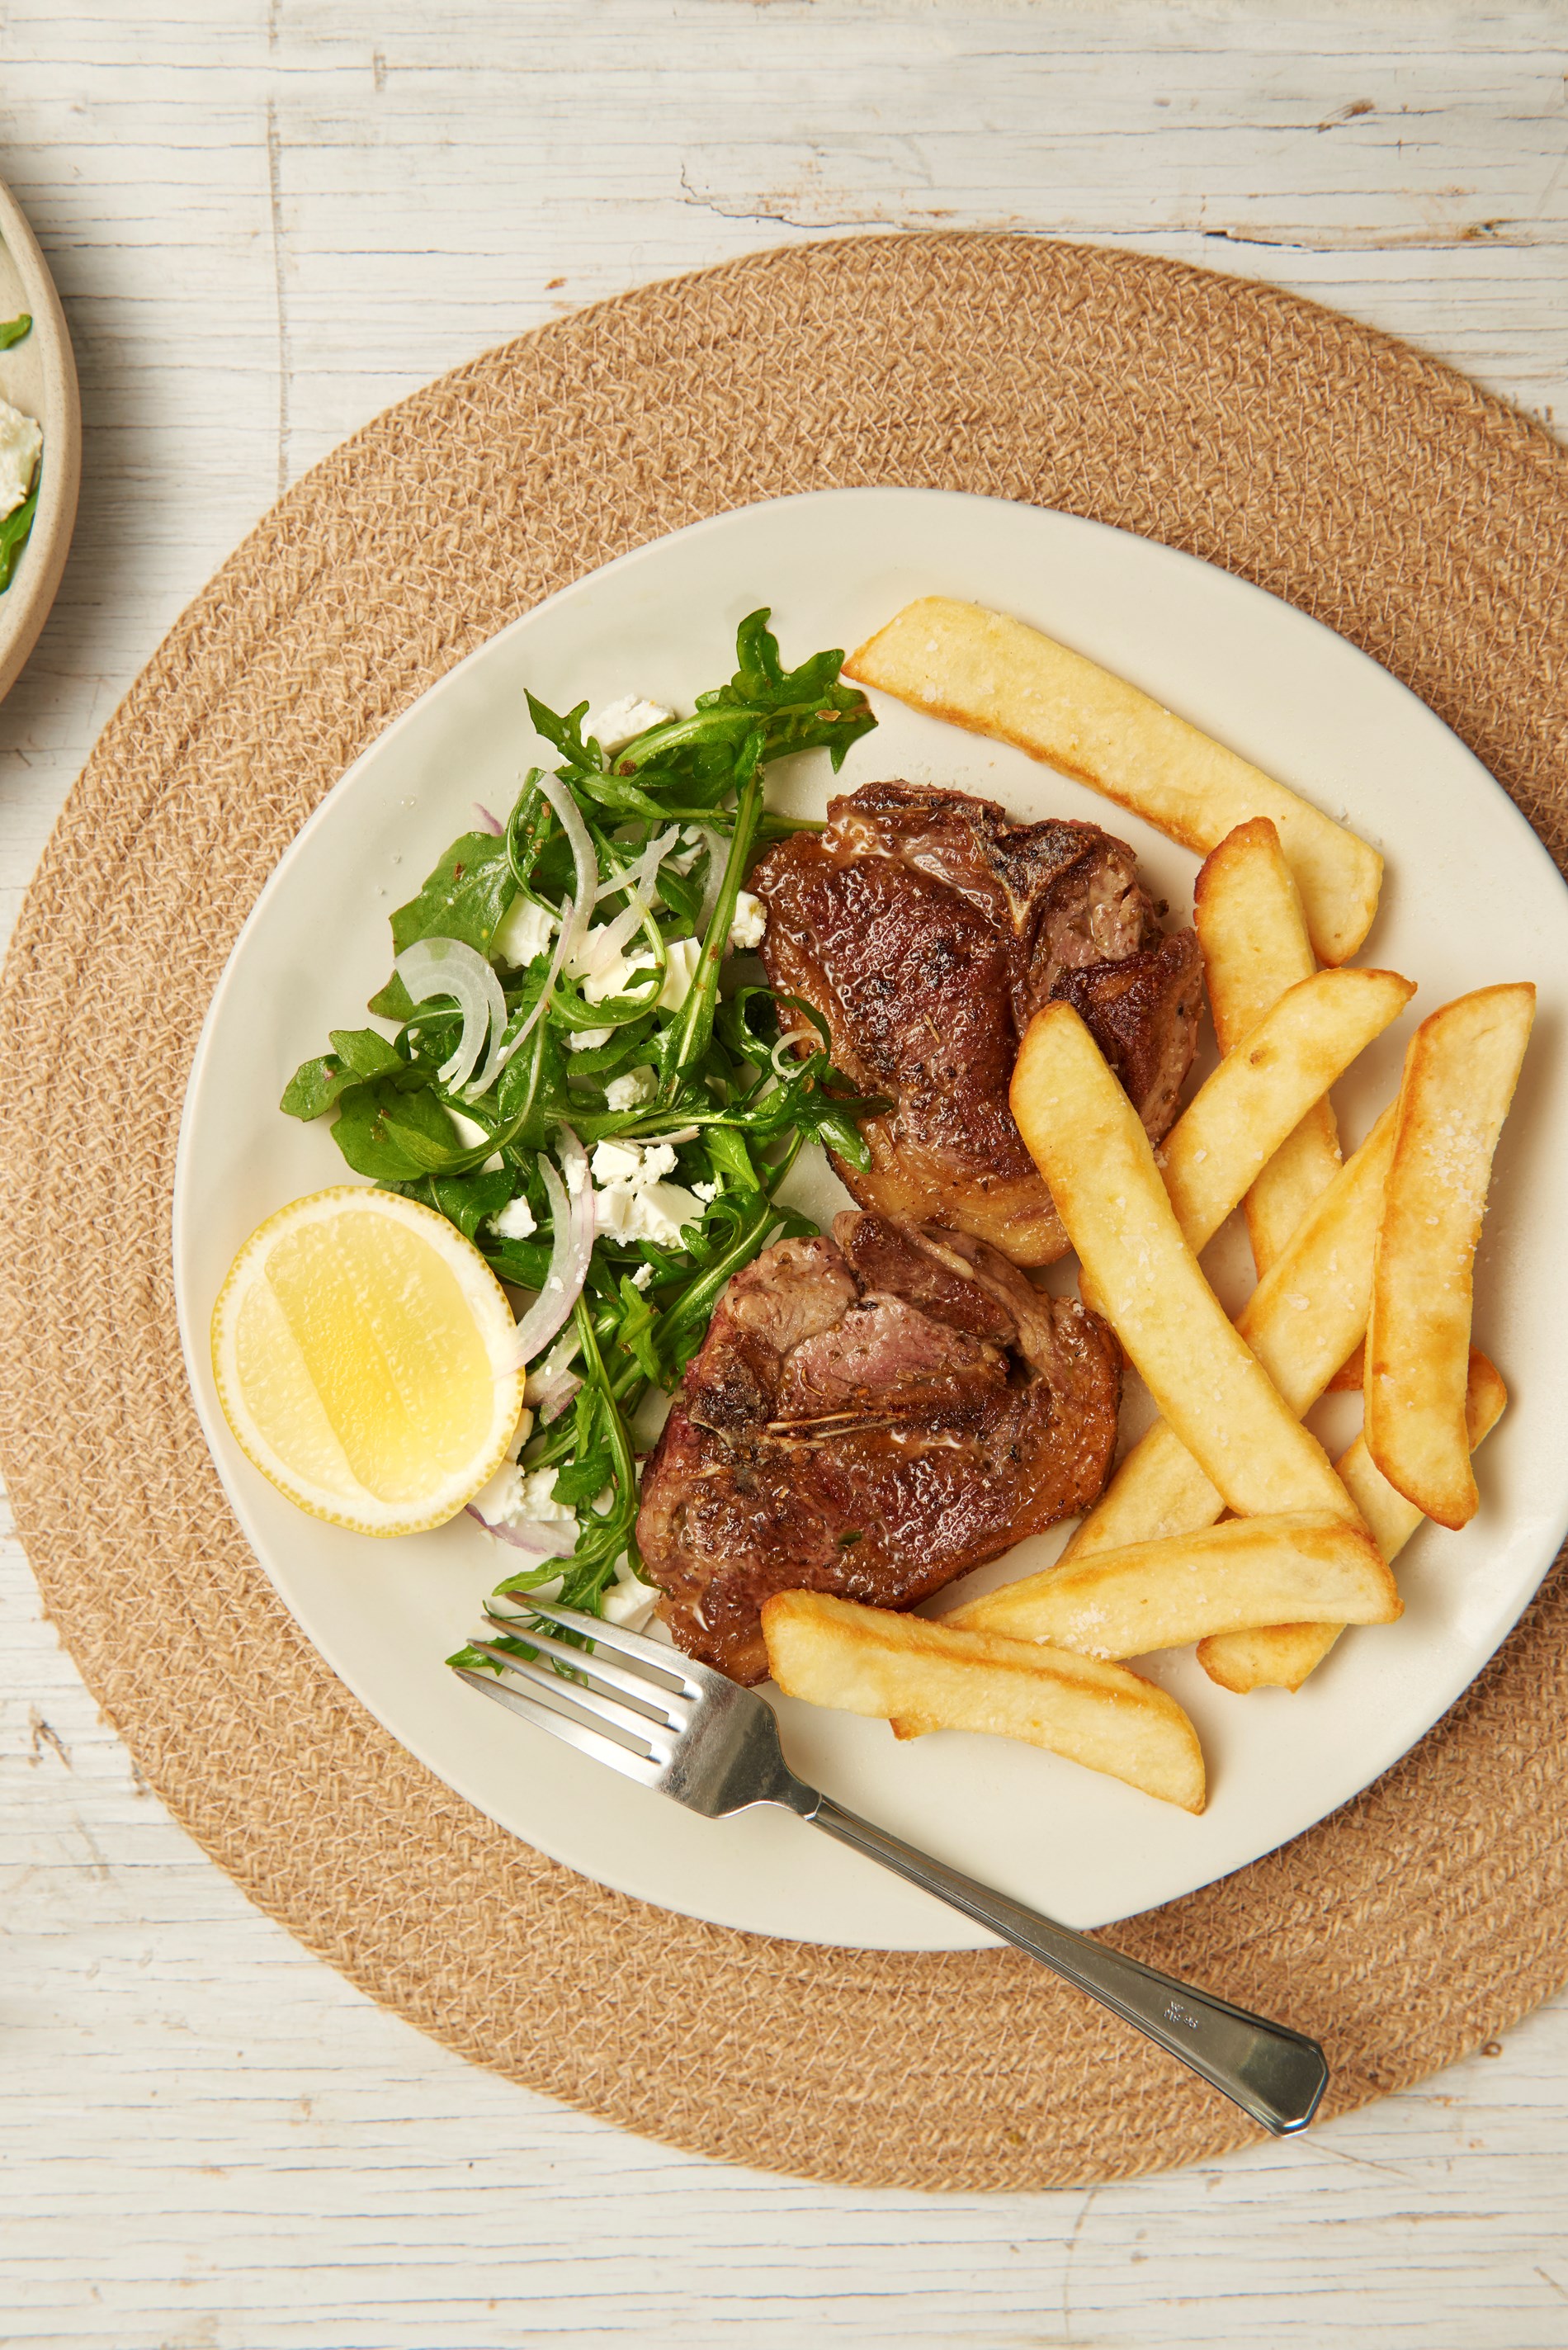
x: 680, y: 1727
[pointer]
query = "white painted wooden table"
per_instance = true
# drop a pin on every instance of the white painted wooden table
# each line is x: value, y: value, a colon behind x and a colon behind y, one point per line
x: 268, y: 219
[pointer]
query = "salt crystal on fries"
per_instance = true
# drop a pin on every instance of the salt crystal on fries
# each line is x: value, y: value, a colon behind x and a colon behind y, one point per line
x: 1255, y: 1100
x: 1166, y: 1594
x: 1089, y: 1143
x: 991, y: 674
x: 867, y: 1660
x: 1459, y: 1075
x: 1281, y: 1655
x: 1248, y: 915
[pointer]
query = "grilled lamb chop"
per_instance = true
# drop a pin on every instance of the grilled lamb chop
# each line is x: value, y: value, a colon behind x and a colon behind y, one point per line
x: 929, y: 929
x: 873, y: 1416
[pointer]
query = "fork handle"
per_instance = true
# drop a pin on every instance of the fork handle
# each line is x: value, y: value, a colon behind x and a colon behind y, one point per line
x: 1276, y: 2076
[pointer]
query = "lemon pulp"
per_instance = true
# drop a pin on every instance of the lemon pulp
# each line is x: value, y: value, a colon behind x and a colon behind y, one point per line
x: 361, y: 1350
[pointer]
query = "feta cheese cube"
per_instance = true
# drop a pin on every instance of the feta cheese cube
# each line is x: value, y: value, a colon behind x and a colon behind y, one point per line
x: 524, y: 932
x: 631, y: 1091
x: 652, y: 1211
x: 628, y: 1601
x: 20, y: 441
x: 619, y: 976
x: 684, y: 954
x: 517, y: 1496
x: 619, y: 723
x: 515, y: 1222
x: 618, y: 1162
x: 749, y: 923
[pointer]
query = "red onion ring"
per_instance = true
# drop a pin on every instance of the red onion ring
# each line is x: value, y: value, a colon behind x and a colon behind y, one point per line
x: 570, y: 1250
x: 447, y: 967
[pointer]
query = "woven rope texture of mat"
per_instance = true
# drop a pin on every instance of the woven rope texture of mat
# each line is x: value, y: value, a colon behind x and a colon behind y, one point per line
x: 1366, y: 483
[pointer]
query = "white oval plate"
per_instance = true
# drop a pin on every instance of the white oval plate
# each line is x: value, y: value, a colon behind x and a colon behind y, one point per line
x: 1471, y: 898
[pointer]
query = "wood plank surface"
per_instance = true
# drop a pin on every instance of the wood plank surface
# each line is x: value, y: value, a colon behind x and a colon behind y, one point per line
x: 268, y: 219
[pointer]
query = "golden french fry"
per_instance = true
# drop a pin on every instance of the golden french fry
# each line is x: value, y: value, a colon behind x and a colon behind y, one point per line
x: 1281, y: 1655
x: 866, y: 1660
x: 1348, y: 1379
x: 1166, y: 1594
x: 1088, y: 1142
x: 994, y: 676
x: 1303, y: 1317
x: 1247, y: 911
x: 1459, y: 1075
x: 1254, y: 1102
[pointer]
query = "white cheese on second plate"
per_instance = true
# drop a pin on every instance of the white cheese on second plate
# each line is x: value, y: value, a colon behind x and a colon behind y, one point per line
x: 20, y: 443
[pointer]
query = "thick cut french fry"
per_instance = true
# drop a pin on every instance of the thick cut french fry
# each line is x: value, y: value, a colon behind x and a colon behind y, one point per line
x: 1255, y: 1100
x: 1459, y: 1075
x: 1247, y: 911
x: 1088, y: 1142
x: 993, y: 675
x: 1307, y: 1312
x: 1281, y: 1656
x: 1166, y: 1594
x: 865, y: 1660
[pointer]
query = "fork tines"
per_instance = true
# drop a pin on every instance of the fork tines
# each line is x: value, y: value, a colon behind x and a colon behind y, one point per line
x: 589, y: 1710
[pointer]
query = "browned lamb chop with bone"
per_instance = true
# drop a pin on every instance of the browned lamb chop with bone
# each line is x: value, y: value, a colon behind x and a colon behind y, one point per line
x: 873, y: 1416
x: 928, y: 928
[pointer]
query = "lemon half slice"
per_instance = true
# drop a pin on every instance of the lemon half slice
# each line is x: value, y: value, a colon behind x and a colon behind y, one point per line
x: 360, y: 1346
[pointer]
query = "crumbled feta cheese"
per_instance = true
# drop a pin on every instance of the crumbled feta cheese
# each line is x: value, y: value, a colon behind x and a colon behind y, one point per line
x: 684, y: 955
x: 642, y: 1276
x: 515, y: 1222
x: 658, y: 1161
x: 517, y: 1496
x: 524, y: 932
x: 637, y: 1085
x: 690, y: 849
x: 20, y: 441
x: 749, y: 923
x: 635, y: 1164
x: 621, y: 722
x: 706, y: 1191
x: 619, y: 976
x: 588, y: 1040
x: 628, y: 1601
x: 617, y: 1162
x: 651, y: 1211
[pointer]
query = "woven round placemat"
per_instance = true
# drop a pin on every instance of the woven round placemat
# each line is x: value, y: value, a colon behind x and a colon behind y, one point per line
x: 1367, y: 485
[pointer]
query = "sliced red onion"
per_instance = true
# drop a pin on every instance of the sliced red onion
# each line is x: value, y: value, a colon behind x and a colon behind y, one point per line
x: 447, y: 967
x: 598, y: 949
x: 573, y: 929
x: 588, y: 863
x: 638, y: 876
x: 787, y: 1044
x: 552, y: 1396
x: 487, y: 822
x: 552, y: 1370
x: 569, y: 1252
x: 534, y: 1539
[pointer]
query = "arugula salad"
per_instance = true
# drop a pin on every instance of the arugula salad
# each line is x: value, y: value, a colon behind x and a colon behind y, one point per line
x: 588, y: 1084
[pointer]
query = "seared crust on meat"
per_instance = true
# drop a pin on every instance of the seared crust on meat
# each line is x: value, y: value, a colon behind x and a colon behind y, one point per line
x: 929, y: 929
x: 872, y: 1415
